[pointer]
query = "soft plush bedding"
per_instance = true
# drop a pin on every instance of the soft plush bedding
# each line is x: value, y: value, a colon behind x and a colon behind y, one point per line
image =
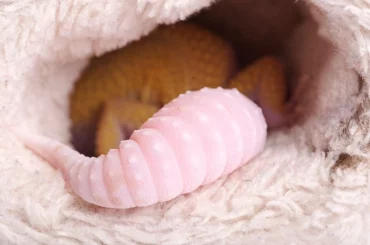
x: 309, y: 186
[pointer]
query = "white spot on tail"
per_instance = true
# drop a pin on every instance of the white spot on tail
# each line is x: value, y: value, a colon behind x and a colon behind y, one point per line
x: 194, y: 162
x: 175, y: 124
x: 157, y: 147
x: 186, y: 136
x: 126, y: 144
x: 146, y: 132
x: 166, y: 167
x: 203, y: 118
x: 229, y: 95
x: 93, y: 177
x: 220, y: 107
x: 138, y: 177
x: 132, y: 160
x: 217, y: 137
x: 235, y: 127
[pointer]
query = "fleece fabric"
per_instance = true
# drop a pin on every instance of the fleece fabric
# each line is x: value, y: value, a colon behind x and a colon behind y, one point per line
x: 311, y: 184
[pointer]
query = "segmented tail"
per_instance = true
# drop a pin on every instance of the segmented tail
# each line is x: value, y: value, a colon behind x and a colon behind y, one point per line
x: 192, y: 141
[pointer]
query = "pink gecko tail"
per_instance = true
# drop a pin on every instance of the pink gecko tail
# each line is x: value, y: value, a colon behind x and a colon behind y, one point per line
x: 60, y: 156
x: 192, y: 141
x: 50, y: 150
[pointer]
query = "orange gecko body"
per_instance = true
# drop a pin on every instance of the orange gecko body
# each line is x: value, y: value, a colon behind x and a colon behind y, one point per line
x: 119, y: 91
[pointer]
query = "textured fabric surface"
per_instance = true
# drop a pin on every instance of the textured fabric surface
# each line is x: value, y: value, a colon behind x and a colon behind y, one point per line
x: 310, y: 185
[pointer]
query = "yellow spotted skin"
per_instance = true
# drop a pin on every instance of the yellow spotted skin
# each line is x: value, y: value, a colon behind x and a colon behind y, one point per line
x: 155, y: 69
x: 119, y: 118
x: 120, y: 90
x: 264, y: 79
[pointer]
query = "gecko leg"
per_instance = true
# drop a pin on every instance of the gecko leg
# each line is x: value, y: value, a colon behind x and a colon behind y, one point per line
x: 265, y: 83
x: 119, y: 118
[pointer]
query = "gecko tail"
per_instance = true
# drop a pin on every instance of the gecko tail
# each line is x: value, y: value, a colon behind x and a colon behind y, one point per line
x: 62, y: 157
x: 57, y: 154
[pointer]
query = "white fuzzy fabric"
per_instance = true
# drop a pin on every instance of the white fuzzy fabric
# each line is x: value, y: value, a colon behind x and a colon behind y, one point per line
x: 296, y: 192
